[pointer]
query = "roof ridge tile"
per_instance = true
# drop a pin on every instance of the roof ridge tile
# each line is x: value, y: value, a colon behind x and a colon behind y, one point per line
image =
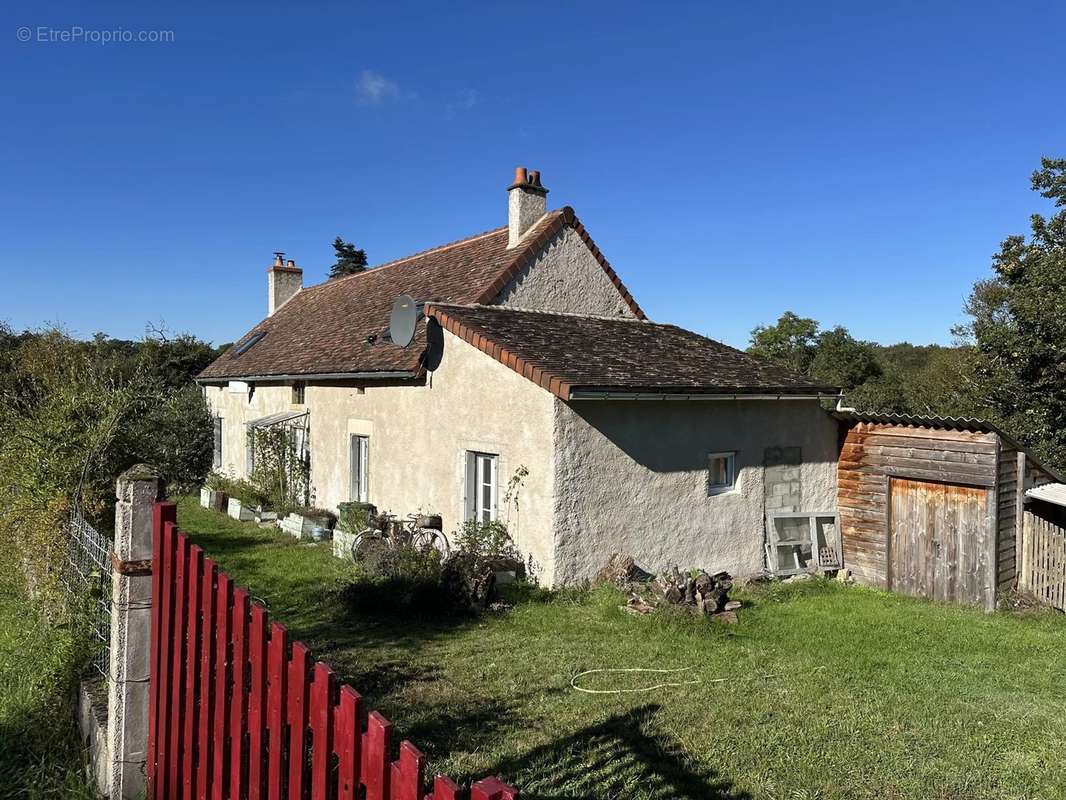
x: 551, y: 312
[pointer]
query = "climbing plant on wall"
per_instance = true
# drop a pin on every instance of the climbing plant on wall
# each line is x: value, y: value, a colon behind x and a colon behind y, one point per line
x: 281, y: 468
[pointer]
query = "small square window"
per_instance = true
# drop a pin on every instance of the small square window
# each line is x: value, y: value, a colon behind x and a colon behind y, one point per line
x: 721, y: 473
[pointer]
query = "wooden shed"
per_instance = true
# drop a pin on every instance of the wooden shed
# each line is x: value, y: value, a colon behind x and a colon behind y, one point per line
x: 929, y: 506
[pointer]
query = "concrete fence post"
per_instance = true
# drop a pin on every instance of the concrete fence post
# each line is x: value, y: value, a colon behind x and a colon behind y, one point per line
x: 131, y: 615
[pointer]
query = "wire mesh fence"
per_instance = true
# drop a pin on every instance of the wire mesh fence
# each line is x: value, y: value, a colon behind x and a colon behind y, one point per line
x: 86, y: 576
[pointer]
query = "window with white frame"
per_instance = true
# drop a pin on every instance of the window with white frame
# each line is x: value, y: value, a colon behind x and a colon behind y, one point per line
x: 802, y: 541
x: 216, y: 459
x: 721, y: 472
x: 359, y: 458
x: 481, y: 486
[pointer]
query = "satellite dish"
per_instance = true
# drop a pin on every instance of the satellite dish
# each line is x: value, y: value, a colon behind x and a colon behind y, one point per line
x: 404, y: 318
x: 434, y: 344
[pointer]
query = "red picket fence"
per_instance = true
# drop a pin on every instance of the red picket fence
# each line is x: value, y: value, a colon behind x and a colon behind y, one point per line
x: 236, y: 712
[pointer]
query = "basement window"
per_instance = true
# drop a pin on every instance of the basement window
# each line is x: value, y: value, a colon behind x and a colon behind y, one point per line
x: 721, y: 473
x: 802, y: 542
x: 244, y: 348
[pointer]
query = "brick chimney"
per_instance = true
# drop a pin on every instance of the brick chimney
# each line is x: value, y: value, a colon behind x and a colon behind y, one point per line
x: 526, y: 203
x: 284, y: 280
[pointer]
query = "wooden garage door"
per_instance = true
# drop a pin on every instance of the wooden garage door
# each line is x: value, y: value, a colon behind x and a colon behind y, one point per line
x: 938, y: 542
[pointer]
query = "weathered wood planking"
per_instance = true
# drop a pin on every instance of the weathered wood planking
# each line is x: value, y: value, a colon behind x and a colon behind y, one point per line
x: 1014, y: 465
x: 938, y: 542
x: 875, y: 453
x: 1043, y: 570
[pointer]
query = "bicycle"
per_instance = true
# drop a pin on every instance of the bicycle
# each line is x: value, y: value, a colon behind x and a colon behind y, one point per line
x: 423, y: 532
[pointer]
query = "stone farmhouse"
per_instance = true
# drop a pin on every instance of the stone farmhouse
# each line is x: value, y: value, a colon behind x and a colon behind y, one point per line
x: 614, y: 433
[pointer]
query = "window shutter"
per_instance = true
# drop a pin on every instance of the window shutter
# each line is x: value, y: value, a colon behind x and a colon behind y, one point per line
x: 216, y: 460
x: 359, y: 456
x: 364, y: 468
x: 353, y: 478
x: 470, y: 489
x: 493, y: 482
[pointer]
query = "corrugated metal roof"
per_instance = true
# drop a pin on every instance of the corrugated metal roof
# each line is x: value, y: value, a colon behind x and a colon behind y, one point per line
x: 276, y: 419
x: 950, y: 423
x: 923, y: 420
x: 1049, y: 493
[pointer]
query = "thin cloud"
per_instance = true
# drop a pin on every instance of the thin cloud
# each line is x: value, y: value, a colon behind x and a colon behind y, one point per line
x: 373, y: 88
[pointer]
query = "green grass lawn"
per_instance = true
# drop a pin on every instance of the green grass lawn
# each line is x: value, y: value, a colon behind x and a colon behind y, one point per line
x: 40, y: 756
x: 869, y: 695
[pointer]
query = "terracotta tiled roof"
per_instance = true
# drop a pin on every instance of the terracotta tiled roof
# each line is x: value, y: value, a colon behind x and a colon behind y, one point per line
x: 325, y: 328
x: 567, y: 353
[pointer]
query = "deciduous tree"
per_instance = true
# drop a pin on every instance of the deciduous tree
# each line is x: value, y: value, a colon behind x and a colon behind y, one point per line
x: 1018, y: 327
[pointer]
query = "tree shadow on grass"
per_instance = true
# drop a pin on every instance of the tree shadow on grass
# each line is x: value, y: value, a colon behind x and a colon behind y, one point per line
x: 623, y: 756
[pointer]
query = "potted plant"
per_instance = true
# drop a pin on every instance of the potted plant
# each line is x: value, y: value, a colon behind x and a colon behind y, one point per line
x: 244, y: 500
x: 213, y: 492
x: 352, y: 518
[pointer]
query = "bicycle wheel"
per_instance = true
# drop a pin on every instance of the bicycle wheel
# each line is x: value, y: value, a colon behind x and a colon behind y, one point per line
x: 368, y: 544
x: 431, y: 539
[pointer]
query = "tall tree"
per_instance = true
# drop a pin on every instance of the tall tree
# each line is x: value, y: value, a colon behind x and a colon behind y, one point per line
x: 1019, y: 329
x: 350, y: 259
x: 842, y: 360
x: 790, y: 341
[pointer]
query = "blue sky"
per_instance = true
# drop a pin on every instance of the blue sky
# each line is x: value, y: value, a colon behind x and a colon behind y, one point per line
x: 854, y: 162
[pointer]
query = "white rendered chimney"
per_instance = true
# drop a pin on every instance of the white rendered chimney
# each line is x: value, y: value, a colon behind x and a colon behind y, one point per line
x: 526, y: 203
x: 284, y: 280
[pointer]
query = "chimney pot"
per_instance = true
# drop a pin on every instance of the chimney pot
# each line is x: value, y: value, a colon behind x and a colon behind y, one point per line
x: 526, y: 204
x: 284, y: 281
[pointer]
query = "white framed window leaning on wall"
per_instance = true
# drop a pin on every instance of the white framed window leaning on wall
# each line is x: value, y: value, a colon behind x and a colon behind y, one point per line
x: 721, y: 472
x: 359, y: 461
x: 481, y: 486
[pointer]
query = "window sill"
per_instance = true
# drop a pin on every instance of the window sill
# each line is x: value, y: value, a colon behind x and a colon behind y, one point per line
x: 718, y: 491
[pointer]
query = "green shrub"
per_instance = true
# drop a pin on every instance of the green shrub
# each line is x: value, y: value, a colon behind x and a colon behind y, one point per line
x: 245, y: 491
x: 355, y: 517
x: 75, y: 415
x: 40, y: 755
x: 398, y: 579
x: 281, y: 474
x: 488, y: 541
x: 216, y: 481
x: 379, y: 560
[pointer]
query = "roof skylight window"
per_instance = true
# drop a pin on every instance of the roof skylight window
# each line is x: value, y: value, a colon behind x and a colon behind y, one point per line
x: 244, y: 348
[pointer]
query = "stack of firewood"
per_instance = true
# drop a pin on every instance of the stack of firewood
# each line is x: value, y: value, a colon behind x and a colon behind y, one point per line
x: 703, y: 593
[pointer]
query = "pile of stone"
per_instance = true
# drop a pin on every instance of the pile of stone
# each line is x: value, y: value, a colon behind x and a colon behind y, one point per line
x: 701, y: 592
